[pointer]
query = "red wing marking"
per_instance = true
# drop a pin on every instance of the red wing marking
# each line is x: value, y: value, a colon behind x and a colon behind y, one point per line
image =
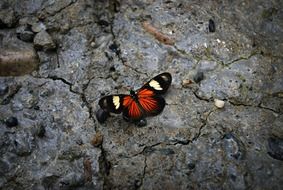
x: 132, y: 107
x: 147, y: 100
x: 149, y: 104
x: 145, y: 93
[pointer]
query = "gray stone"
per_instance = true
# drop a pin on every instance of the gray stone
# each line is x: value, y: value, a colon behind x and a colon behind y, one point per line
x: 38, y: 27
x: 102, y: 48
x: 11, y: 122
x: 24, y: 34
x: 275, y: 146
x: 43, y: 40
x: 7, y: 18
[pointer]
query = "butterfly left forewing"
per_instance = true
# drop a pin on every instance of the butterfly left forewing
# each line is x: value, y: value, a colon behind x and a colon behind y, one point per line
x: 112, y: 103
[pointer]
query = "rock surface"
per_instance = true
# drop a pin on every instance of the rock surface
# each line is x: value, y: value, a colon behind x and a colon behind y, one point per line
x: 43, y: 40
x: 49, y: 135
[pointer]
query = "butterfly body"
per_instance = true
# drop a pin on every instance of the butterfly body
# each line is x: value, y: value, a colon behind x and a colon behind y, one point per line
x: 147, y: 101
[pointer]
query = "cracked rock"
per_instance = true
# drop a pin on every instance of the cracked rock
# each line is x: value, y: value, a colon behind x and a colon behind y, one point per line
x: 105, y: 47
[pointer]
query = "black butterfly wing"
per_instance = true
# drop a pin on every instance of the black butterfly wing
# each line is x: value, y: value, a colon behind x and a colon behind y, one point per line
x: 149, y: 96
x: 152, y: 104
x: 112, y: 103
x: 159, y: 84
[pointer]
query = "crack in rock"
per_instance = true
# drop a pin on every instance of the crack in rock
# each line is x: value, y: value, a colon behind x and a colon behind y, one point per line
x: 104, y: 168
x: 256, y: 106
x: 200, y: 98
x: 144, y: 172
x: 57, y: 11
x: 195, y: 138
x: 147, y: 149
x: 120, y: 58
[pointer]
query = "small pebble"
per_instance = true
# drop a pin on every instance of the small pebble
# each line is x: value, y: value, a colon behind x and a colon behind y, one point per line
x: 43, y: 40
x: 142, y: 123
x: 198, y: 77
x: 219, y: 103
x: 24, y: 34
x: 186, y: 83
x: 3, y: 89
x: 11, y: 122
x: 92, y: 44
x: 211, y: 25
x: 101, y: 115
x: 97, y: 139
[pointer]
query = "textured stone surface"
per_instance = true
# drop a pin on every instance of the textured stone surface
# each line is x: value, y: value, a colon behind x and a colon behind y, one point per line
x: 7, y: 18
x: 43, y: 40
x: 104, y: 47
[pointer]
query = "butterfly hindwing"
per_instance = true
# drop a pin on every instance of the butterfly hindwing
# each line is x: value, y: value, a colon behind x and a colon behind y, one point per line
x: 132, y: 110
x: 151, y: 104
x: 122, y: 103
x: 112, y: 103
x: 159, y: 84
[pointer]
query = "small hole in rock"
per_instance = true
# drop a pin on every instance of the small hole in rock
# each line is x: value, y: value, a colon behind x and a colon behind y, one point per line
x: 112, y: 69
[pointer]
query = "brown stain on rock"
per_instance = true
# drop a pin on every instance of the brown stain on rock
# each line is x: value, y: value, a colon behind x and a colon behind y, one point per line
x: 17, y: 62
x: 97, y: 139
x: 87, y: 170
x: 163, y: 38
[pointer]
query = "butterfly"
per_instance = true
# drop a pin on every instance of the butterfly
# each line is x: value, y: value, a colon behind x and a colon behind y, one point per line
x: 144, y: 102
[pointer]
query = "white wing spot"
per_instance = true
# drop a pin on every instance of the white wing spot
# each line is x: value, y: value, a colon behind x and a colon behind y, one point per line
x: 116, y: 102
x: 154, y: 84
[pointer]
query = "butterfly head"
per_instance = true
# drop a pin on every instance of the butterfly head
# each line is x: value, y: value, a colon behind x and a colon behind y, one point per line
x: 132, y: 93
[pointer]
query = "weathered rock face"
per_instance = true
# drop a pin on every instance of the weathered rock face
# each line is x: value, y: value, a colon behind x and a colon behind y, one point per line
x: 50, y: 138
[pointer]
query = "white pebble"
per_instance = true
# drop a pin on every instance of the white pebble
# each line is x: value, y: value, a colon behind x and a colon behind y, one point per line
x: 219, y: 103
x: 92, y: 44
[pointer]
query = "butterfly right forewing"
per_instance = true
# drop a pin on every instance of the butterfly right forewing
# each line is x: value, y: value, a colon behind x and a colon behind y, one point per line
x: 159, y: 84
x: 149, y: 96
